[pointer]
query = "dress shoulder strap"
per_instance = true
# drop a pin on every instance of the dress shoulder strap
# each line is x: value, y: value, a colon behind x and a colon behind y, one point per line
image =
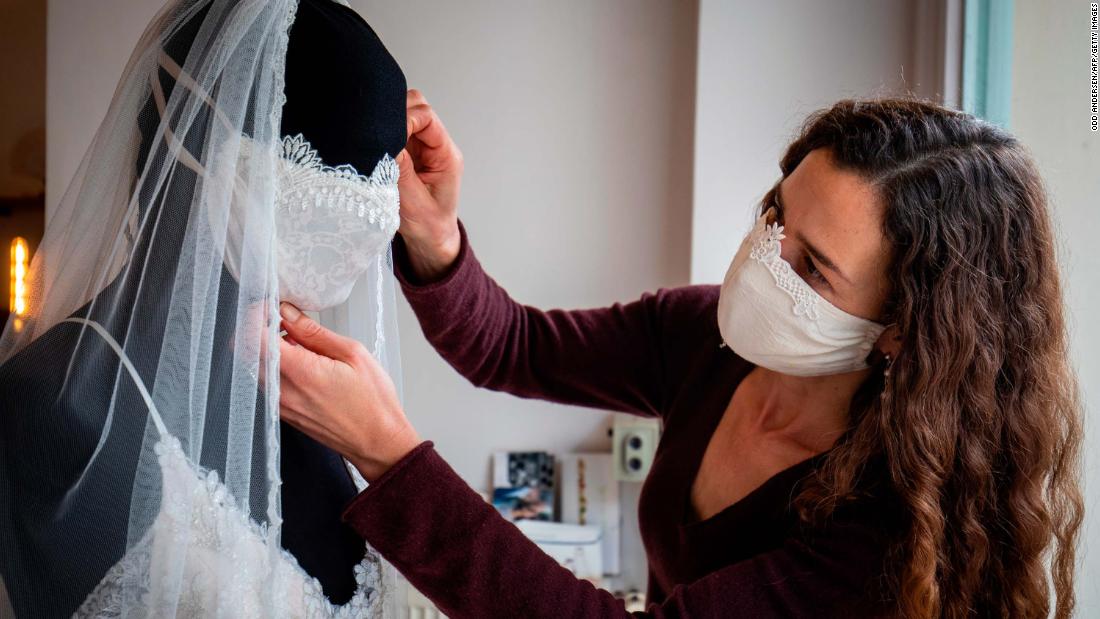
x: 158, y: 421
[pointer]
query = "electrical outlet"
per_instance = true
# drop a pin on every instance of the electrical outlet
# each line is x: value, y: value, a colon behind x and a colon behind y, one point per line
x: 633, y: 443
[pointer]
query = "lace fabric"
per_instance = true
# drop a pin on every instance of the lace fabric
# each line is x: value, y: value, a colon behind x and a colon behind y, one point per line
x: 229, y: 562
x: 331, y: 223
x: 806, y: 302
x: 305, y: 181
x: 331, y: 212
x: 228, y: 567
x: 766, y: 250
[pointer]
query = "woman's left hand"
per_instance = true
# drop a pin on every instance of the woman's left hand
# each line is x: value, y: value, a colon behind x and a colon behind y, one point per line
x: 334, y: 390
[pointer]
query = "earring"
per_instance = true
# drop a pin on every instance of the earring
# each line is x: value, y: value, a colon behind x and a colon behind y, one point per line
x: 886, y: 376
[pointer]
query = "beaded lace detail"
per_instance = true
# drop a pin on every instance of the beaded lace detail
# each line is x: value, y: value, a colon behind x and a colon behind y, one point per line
x: 203, y: 556
x: 307, y: 182
x: 228, y: 564
x: 766, y: 250
x: 332, y: 223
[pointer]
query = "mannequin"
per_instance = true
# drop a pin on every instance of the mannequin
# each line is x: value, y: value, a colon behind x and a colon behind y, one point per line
x: 332, y: 52
x: 55, y: 391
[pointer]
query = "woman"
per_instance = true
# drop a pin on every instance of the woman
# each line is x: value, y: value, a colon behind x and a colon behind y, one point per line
x: 881, y: 421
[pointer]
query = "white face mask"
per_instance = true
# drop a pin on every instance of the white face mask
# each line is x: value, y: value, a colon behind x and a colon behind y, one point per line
x: 331, y: 223
x: 771, y: 317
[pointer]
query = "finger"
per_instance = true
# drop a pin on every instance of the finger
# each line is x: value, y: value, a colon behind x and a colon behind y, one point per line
x: 294, y: 363
x: 405, y: 165
x: 299, y: 377
x: 414, y: 97
x: 417, y: 201
x: 416, y: 118
x: 312, y: 336
x: 303, y: 368
x: 413, y: 191
x: 423, y: 123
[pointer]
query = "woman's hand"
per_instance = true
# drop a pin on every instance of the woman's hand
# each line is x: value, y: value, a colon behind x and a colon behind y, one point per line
x: 332, y: 389
x: 431, y: 174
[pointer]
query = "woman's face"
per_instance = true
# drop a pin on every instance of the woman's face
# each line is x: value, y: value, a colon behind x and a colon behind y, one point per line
x: 832, y: 221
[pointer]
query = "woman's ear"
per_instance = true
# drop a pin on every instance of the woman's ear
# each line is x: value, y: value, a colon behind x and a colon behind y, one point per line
x: 889, y: 341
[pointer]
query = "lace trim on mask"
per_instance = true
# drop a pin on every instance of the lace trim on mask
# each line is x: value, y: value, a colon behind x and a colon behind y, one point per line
x: 766, y: 250
x: 308, y: 182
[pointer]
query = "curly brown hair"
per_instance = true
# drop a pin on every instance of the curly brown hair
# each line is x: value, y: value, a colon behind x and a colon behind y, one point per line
x: 976, y: 429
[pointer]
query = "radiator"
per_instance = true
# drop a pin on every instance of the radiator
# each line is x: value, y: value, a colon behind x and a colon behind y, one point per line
x: 416, y: 605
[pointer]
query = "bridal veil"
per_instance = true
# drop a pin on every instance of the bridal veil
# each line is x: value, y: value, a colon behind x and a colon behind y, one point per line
x: 150, y: 347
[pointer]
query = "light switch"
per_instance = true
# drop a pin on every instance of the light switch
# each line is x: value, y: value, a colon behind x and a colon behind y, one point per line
x: 634, y: 442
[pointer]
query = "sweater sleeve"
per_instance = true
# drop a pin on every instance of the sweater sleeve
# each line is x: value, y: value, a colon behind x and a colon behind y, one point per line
x: 609, y: 358
x: 471, y: 562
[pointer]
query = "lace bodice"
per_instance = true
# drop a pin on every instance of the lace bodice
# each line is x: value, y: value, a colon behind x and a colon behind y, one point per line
x: 228, y: 562
x: 331, y: 225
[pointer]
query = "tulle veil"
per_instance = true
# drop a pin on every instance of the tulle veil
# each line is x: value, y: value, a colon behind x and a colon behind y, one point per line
x: 139, y: 337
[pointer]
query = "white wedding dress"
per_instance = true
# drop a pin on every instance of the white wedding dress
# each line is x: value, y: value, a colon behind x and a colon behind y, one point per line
x: 229, y: 562
x: 142, y: 457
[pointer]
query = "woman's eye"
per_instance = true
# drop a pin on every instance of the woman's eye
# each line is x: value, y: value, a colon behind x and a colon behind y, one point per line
x: 814, y: 272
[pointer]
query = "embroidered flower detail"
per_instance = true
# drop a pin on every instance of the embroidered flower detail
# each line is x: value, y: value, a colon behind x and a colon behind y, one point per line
x: 766, y: 246
x: 766, y: 249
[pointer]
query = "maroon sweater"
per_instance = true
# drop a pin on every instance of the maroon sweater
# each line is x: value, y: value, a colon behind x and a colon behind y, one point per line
x: 659, y: 356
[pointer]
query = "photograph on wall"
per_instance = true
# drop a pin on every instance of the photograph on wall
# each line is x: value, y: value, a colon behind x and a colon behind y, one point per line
x: 523, y: 485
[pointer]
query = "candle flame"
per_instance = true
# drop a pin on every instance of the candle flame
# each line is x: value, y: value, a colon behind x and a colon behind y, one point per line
x: 20, y: 256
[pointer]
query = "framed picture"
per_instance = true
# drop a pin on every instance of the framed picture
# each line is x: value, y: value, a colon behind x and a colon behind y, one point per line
x: 523, y: 485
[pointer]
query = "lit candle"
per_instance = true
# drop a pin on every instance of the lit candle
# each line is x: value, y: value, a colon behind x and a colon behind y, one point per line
x: 20, y: 255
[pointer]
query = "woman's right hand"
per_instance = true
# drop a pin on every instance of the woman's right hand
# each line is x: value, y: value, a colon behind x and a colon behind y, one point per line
x: 431, y: 173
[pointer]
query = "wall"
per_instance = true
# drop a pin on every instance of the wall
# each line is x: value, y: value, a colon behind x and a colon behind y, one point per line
x: 23, y: 102
x: 88, y: 45
x: 1050, y: 114
x: 763, y: 66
